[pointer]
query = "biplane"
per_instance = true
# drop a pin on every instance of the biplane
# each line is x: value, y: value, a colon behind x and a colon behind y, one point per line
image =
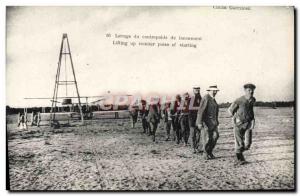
x: 66, y: 110
x: 66, y: 107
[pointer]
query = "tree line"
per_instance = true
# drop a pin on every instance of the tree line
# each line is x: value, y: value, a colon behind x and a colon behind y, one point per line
x: 274, y: 104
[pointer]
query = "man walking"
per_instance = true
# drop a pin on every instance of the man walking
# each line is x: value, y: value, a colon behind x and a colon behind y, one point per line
x: 143, y: 114
x: 243, y: 117
x: 193, y: 109
x: 184, y: 118
x: 168, y: 117
x: 153, y: 118
x: 207, y: 121
x: 177, y: 112
x: 133, y: 111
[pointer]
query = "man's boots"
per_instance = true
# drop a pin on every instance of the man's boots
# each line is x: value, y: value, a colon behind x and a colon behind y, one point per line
x: 240, y: 158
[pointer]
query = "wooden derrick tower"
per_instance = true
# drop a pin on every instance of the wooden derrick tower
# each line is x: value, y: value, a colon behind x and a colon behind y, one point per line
x: 64, y: 55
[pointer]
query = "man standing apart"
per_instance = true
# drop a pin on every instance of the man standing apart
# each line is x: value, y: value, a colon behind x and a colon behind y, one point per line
x: 193, y: 109
x: 243, y: 117
x: 207, y: 121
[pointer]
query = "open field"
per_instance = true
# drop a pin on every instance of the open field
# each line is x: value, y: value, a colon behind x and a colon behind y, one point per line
x: 109, y: 155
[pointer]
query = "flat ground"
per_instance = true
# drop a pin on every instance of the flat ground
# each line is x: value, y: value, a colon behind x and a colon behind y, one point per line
x: 109, y: 155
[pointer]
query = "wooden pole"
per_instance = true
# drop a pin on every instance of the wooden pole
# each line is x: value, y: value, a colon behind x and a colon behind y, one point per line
x: 73, y: 71
x: 31, y: 123
x: 53, y: 105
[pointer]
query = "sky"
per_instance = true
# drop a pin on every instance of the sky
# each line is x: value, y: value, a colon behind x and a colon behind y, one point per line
x: 236, y: 47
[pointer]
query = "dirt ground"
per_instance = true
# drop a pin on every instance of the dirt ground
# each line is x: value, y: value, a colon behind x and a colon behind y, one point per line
x: 109, y: 155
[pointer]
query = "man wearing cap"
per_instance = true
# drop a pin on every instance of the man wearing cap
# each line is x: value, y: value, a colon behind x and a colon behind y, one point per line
x: 184, y: 118
x: 143, y: 114
x: 243, y: 117
x: 177, y: 112
x: 193, y: 109
x: 207, y: 121
x: 168, y: 117
x: 153, y: 117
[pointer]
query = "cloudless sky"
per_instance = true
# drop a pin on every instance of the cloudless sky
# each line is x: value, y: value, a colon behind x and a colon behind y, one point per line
x: 237, y: 46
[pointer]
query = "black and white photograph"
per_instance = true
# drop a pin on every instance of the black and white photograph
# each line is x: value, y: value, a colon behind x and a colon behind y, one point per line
x: 150, y: 98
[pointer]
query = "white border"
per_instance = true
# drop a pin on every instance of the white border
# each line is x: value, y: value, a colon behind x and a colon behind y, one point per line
x: 152, y: 2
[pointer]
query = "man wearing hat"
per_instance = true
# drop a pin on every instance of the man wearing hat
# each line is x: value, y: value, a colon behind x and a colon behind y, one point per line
x: 243, y: 117
x: 207, y: 121
x: 193, y: 109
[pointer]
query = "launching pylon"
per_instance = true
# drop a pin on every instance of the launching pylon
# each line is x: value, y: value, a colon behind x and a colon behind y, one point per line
x: 64, y: 55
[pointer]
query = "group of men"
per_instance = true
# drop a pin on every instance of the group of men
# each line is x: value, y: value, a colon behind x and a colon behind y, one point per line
x: 22, y: 120
x: 195, y: 119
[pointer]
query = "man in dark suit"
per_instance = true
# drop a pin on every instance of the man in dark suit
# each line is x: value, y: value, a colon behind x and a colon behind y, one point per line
x: 207, y: 121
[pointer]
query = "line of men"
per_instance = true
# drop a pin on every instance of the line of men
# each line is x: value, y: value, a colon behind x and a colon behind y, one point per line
x: 196, y: 119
